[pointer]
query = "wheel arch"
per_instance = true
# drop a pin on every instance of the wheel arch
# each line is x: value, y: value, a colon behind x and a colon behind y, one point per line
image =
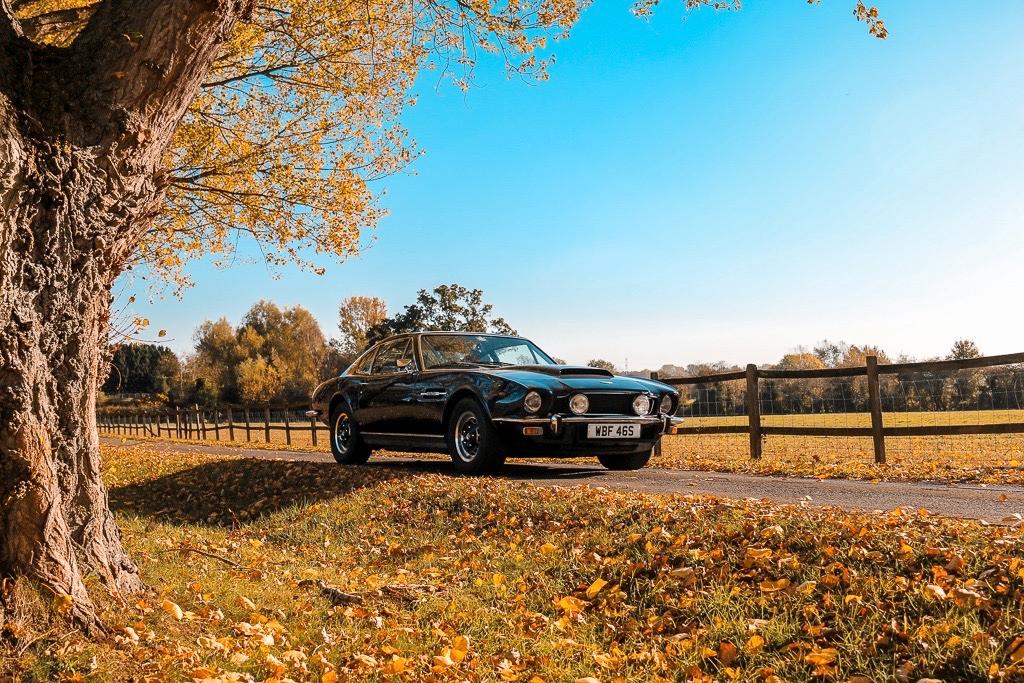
x: 339, y: 398
x: 458, y: 395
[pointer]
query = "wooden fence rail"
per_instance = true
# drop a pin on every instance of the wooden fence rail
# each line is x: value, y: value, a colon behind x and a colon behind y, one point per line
x: 871, y: 370
x: 196, y: 423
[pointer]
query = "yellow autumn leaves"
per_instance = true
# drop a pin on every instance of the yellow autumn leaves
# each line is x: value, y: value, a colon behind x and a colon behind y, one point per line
x: 520, y: 584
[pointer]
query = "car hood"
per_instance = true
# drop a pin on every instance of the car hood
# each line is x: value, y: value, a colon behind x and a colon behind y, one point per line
x: 577, y: 378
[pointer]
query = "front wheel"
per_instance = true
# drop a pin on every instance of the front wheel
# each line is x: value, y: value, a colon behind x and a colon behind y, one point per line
x: 630, y: 461
x: 474, y: 444
x: 346, y: 445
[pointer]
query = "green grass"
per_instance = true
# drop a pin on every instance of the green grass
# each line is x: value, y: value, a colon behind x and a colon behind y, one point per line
x: 694, y: 586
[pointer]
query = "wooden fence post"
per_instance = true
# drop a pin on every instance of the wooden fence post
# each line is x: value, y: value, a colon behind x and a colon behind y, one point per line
x: 247, y: 435
x: 216, y: 424
x: 754, y: 412
x: 177, y: 422
x: 287, y: 428
x: 266, y: 423
x: 875, y: 402
x: 231, y: 424
x: 312, y: 430
x: 657, y: 446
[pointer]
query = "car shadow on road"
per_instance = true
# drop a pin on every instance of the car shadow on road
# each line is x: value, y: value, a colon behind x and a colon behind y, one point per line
x: 229, y: 492
x: 518, y: 470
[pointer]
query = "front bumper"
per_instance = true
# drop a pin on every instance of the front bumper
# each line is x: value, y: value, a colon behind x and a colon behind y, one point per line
x: 566, y: 435
x: 556, y: 422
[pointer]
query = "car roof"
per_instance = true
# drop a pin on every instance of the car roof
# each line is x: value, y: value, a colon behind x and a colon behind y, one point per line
x: 463, y: 333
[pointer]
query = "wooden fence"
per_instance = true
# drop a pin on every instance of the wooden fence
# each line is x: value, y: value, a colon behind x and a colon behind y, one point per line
x: 871, y: 370
x: 244, y: 424
x: 204, y: 425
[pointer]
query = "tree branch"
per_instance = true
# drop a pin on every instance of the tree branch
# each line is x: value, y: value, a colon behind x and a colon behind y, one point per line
x: 38, y: 26
x: 13, y: 49
x: 138, y: 64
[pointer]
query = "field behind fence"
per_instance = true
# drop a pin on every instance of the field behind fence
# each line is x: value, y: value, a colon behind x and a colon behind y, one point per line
x: 954, y: 414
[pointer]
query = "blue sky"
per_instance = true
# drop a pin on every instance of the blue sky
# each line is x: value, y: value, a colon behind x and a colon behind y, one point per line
x: 724, y: 187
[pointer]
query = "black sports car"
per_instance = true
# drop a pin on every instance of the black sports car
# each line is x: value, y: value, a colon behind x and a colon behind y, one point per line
x: 482, y: 397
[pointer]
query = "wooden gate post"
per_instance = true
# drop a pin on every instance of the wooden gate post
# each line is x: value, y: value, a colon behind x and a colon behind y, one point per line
x: 754, y: 412
x: 177, y: 423
x: 657, y: 446
x: 247, y: 427
x: 231, y: 424
x: 312, y: 430
x: 266, y: 423
x: 287, y: 428
x: 875, y: 403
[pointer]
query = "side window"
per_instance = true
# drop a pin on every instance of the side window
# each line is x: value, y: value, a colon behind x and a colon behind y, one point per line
x: 407, y: 363
x: 387, y: 358
x: 362, y: 366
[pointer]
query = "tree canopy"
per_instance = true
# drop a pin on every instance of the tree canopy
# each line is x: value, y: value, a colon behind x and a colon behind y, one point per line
x: 451, y: 307
x: 356, y: 316
x: 275, y: 354
x: 300, y: 113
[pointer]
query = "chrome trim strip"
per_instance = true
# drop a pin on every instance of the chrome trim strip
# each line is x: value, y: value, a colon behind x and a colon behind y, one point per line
x: 401, y: 435
x: 581, y: 419
x: 312, y: 413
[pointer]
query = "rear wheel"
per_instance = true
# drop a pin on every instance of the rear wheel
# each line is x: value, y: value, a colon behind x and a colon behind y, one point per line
x: 629, y: 461
x: 474, y: 444
x: 346, y: 445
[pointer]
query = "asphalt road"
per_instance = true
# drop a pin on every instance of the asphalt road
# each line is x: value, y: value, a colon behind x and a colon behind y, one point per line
x: 995, y: 504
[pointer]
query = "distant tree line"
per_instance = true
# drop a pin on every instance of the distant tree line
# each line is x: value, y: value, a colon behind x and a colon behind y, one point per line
x: 278, y: 356
x: 981, y: 389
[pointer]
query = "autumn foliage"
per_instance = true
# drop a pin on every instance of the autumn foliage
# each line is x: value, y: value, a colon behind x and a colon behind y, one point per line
x: 267, y: 570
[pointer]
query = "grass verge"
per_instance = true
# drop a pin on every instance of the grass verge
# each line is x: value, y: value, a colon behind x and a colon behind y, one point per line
x: 275, y: 571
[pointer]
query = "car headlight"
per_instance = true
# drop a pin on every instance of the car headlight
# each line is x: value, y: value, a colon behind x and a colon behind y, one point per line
x: 665, y: 407
x: 579, y: 404
x: 532, y: 402
x: 642, y: 404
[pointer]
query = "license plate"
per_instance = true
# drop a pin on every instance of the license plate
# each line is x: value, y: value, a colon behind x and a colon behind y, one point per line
x: 613, y: 430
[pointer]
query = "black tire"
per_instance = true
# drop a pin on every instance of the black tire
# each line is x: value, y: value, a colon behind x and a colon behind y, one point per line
x: 348, y: 449
x: 474, y: 444
x: 630, y: 461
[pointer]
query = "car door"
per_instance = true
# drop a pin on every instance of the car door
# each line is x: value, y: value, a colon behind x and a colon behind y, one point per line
x: 387, y: 401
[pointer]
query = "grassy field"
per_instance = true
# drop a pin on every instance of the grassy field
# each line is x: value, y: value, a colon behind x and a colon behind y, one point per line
x: 979, y: 458
x: 276, y: 571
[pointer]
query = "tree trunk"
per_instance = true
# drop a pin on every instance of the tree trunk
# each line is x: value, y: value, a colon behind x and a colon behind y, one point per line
x: 83, y: 133
x: 58, y: 207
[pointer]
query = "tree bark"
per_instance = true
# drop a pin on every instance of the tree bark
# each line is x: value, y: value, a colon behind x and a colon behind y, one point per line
x: 83, y: 131
x: 55, y: 279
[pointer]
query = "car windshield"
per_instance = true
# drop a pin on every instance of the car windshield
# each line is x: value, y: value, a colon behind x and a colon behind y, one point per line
x: 468, y: 349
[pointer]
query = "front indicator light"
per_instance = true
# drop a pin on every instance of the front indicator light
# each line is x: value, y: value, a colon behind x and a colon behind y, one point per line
x: 533, y: 431
x: 642, y: 404
x: 579, y: 404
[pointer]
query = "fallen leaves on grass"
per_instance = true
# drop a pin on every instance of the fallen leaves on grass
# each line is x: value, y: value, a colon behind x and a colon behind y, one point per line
x: 448, y: 579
